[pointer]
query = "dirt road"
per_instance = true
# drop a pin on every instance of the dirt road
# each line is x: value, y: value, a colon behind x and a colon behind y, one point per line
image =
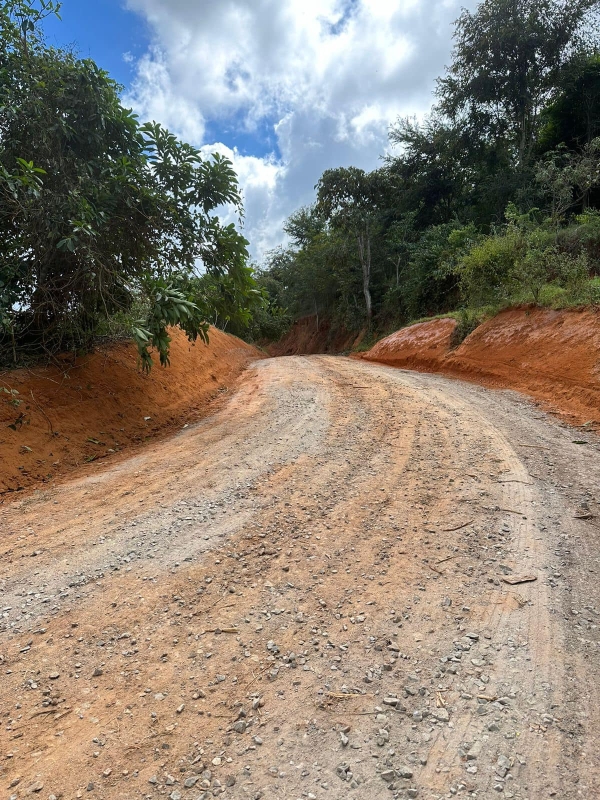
x: 316, y: 593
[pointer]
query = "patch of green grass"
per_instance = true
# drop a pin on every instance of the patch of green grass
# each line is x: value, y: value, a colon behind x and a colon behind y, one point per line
x: 421, y: 320
x: 585, y: 293
x: 368, y: 341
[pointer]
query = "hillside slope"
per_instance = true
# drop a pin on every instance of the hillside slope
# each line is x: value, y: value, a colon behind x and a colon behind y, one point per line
x: 307, y: 336
x: 553, y: 356
x: 72, y: 415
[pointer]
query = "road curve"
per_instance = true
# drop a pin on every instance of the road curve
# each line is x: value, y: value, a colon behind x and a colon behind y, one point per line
x: 350, y: 581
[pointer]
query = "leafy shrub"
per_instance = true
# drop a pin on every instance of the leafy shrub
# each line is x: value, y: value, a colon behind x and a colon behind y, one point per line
x: 553, y: 296
x: 467, y: 320
x: 584, y: 235
x: 594, y: 291
x: 486, y: 269
x: 430, y: 284
x: 269, y: 323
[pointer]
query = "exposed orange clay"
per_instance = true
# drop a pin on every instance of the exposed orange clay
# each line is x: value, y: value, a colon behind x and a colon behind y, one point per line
x: 553, y: 356
x: 310, y: 335
x: 70, y: 416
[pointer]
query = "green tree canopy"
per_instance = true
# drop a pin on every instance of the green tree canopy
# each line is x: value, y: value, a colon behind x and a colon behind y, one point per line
x: 507, y: 60
x: 573, y: 118
x: 98, y: 212
x: 351, y: 200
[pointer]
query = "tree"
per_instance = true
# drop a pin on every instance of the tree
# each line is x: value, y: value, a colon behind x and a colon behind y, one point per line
x: 20, y: 18
x: 400, y: 239
x: 350, y: 200
x: 506, y: 64
x: 567, y: 178
x: 573, y: 118
x: 304, y: 225
x: 429, y: 285
x: 98, y: 212
x: 433, y: 168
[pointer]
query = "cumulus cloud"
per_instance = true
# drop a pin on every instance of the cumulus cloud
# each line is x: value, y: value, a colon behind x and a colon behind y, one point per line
x: 157, y: 98
x: 325, y: 77
x: 260, y: 179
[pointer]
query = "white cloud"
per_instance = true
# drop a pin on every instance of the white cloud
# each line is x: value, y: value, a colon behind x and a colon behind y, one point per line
x: 260, y: 179
x: 326, y: 76
x: 157, y: 98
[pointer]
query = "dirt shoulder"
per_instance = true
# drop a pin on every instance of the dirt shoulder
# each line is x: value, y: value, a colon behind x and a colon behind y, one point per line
x: 351, y: 581
x: 67, y: 418
x: 553, y: 356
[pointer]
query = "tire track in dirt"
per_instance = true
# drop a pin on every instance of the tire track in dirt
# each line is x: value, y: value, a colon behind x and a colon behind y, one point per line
x: 313, y: 606
x: 530, y: 629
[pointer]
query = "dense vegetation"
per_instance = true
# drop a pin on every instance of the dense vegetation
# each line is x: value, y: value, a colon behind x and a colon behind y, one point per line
x: 493, y: 199
x: 108, y: 226
x: 105, y: 224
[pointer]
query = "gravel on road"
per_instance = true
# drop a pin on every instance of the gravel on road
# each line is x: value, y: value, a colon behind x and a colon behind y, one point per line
x: 351, y: 581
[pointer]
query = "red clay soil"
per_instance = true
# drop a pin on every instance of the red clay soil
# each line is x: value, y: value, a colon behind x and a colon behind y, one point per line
x: 82, y: 412
x: 553, y: 356
x: 307, y: 336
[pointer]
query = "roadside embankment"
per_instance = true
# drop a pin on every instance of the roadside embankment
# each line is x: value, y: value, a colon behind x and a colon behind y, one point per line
x: 311, y: 335
x: 553, y: 356
x: 66, y: 417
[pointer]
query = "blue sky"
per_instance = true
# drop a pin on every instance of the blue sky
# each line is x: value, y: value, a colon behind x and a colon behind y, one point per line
x: 102, y: 30
x: 116, y: 38
x: 285, y: 88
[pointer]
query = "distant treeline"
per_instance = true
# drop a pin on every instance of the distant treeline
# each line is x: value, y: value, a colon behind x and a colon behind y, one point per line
x: 493, y: 199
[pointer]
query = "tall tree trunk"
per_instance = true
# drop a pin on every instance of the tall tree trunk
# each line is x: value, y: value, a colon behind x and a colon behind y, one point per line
x: 522, y: 141
x: 364, y: 250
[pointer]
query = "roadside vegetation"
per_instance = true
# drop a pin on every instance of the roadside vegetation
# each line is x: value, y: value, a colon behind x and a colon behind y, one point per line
x: 492, y: 200
x: 107, y: 226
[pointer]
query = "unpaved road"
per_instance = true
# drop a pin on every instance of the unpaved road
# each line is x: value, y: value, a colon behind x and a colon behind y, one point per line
x: 304, y: 597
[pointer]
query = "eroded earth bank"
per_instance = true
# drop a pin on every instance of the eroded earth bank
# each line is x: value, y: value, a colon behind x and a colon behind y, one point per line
x: 316, y: 593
